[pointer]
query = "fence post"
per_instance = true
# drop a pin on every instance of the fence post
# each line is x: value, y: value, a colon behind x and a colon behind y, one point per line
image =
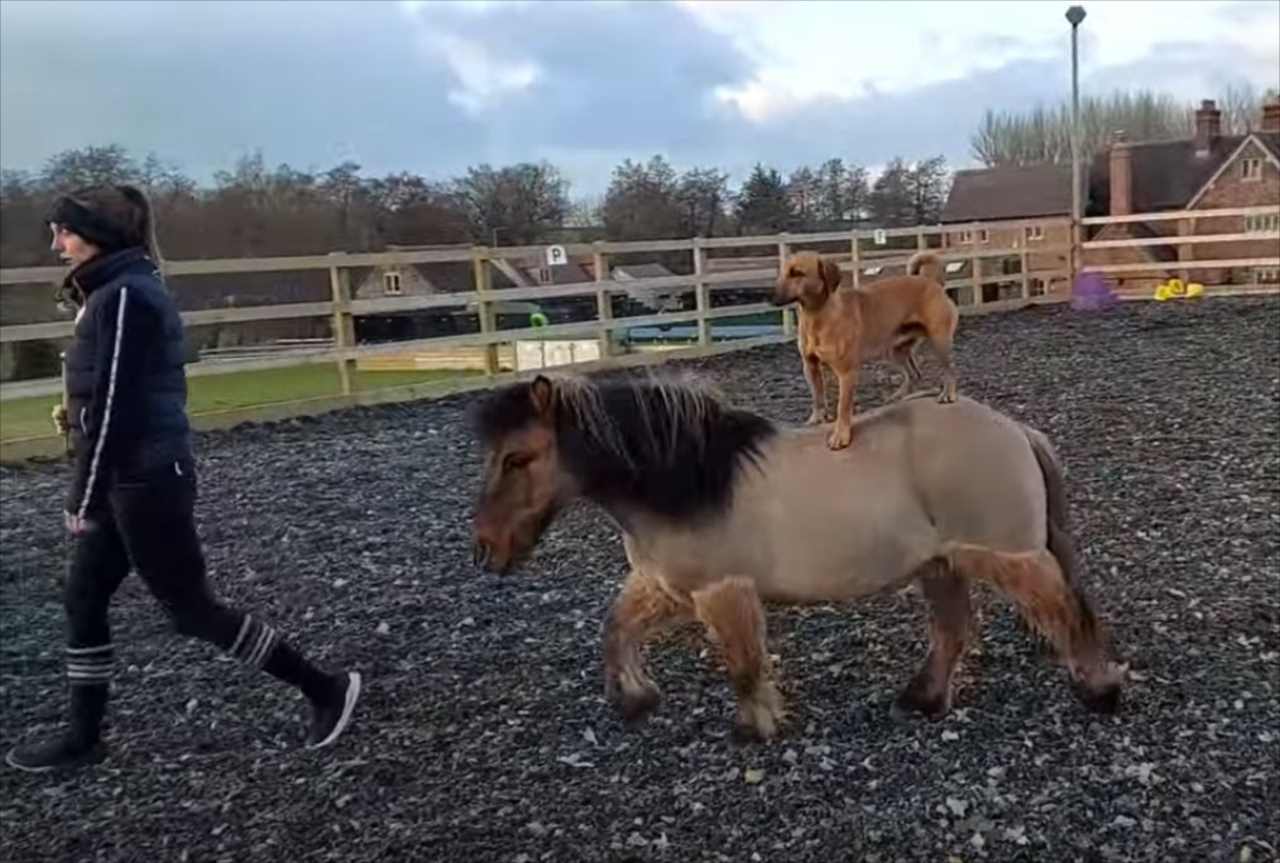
x: 788, y: 320
x: 484, y: 283
x: 1075, y: 258
x: 701, y: 292
x: 1186, y: 227
x: 604, y: 300
x: 66, y: 399
x: 1026, y: 279
x: 344, y: 327
x: 857, y: 258
x: 977, y: 276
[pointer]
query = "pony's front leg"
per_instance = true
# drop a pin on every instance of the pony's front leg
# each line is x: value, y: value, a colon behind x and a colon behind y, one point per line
x: 731, y: 610
x: 640, y: 609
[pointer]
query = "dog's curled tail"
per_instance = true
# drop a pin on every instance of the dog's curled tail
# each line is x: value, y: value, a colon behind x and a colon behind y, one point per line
x: 926, y: 264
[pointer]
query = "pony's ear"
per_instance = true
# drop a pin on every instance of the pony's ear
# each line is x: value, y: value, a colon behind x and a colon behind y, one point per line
x: 542, y: 394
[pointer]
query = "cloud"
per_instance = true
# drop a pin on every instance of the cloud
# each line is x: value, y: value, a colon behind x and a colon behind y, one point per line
x: 484, y: 79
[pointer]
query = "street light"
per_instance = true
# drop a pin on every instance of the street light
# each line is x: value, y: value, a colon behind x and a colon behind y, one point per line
x: 1075, y: 15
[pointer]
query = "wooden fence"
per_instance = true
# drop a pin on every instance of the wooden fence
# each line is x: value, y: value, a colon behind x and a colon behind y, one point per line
x: 1185, y: 241
x: 867, y: 250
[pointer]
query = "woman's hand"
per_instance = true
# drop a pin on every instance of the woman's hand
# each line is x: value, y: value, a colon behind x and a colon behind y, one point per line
x: 59, y: 417
x: 78, y: 526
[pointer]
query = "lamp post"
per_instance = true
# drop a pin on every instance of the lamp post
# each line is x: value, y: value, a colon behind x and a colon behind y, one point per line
x: 1075, y: 15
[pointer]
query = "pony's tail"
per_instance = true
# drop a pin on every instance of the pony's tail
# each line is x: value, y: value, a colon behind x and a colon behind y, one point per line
x: 926, y: 264
x: 1060, y: 543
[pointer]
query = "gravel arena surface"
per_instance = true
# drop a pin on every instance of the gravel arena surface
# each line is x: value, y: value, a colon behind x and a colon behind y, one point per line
x: 483, y: 733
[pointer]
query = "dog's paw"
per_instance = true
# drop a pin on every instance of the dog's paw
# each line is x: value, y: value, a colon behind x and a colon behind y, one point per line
x: 840, y: 437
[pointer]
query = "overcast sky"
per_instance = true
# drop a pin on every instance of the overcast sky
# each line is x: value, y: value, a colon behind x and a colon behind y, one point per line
x: 433, y: 87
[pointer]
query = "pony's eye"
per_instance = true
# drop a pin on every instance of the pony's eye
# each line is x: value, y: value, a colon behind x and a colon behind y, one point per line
x: 796, y: 274
x: 516, y: 461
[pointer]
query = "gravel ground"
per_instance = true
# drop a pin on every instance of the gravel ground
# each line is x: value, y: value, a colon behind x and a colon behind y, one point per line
x: 483, y: 734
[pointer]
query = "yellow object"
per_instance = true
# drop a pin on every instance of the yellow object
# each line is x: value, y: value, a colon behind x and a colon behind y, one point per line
x: 1195, y: 289
x: 1162, y: 293
x: 1177, y: 288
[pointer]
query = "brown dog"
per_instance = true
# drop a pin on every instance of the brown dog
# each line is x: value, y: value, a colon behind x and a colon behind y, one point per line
x: 844, y: 328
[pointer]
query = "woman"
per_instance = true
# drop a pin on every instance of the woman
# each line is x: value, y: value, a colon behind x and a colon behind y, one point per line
x: 133, y: 488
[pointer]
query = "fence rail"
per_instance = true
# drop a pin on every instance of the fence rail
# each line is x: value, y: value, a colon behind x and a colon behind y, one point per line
x: 1185, y: 241
x: 866, y: 250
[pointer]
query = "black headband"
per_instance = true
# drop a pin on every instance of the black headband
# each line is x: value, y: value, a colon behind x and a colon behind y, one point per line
x: 80, y: 219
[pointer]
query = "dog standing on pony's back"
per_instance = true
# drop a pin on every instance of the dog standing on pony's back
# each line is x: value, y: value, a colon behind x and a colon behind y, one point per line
x: 843, y: 328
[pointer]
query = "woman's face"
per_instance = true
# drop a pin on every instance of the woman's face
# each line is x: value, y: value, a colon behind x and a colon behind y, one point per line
x: 70, y: 246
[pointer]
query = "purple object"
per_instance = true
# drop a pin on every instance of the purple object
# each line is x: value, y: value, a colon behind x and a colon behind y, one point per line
x: 1092, y: 292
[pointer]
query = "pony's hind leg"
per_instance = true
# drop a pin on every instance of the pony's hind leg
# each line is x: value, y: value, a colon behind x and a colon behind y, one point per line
x: 950, y: 623
x: 731, y: 610
x: 638, y: 612
x: 1058, y: 611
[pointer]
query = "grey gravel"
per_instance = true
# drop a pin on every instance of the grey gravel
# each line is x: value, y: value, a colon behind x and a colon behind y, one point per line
x: 484, y: 735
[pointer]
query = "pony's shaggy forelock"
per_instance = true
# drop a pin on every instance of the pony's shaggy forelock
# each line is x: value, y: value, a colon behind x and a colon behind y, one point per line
x: 671, y: 443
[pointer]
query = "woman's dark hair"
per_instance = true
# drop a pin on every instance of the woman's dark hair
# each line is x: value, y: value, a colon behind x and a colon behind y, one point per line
x: 111, y: 217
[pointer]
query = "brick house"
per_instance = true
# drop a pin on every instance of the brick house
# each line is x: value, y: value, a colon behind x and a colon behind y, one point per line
x: 1008, y: 194
x: 1207, y: 172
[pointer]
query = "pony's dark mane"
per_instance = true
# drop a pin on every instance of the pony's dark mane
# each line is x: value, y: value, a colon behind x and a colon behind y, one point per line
x: 672, y: 447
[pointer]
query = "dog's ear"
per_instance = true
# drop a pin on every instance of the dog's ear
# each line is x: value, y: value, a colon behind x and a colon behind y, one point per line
x: 829, y: 272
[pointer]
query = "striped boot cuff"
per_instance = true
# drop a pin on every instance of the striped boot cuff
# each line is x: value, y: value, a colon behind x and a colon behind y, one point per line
x: 90, y: 666
x: 254, y: 642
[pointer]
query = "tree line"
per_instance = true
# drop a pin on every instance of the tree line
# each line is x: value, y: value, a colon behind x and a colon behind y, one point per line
x: 1043, y: 134
x: 254, y: 210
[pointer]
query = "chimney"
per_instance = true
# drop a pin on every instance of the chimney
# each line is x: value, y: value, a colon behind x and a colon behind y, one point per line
x: 1208, y: 127
x: 1121, y: 159
x: 1271, y: 115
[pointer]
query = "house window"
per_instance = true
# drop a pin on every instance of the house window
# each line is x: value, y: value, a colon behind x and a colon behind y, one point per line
x: 1266, y: 275
x: 1036, y: 287
x: 1262, y: 224
x: 872, y: 271
x: 391, y: 284
x: 984, y: 236
x: 954, y: 267
x: 544, y: 275
x: 1251, y: 169
x: 1035, y: 232
x: 964, y: 237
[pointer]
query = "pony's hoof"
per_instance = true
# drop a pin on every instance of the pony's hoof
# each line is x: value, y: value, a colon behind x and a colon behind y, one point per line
x: 745, y: 734
x: 1099, y: 689
x: 913, y: 702
x: 760, y: 715
x: 947, y: 397
x: 1105, y: 700
x: 634, y: 707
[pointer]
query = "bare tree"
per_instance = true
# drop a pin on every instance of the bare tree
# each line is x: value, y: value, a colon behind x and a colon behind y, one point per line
x: 1043, y: 134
